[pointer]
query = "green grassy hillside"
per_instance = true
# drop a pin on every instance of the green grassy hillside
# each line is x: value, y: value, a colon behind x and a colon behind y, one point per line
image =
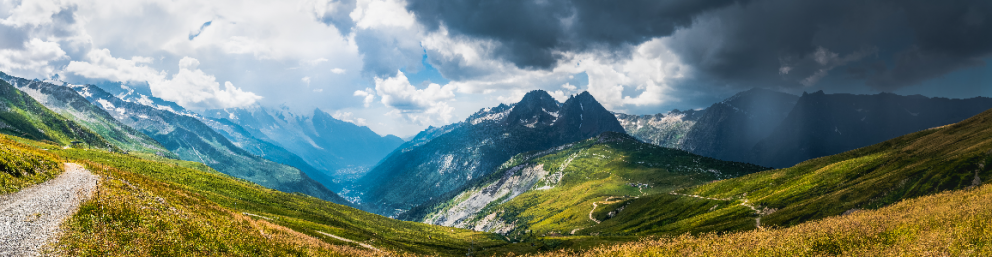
x: 952, y: 223
x: 586, y: 188
x: 23, y: 165
x: 952, y: 157
x: 172, y: 207
x: 22, y: 116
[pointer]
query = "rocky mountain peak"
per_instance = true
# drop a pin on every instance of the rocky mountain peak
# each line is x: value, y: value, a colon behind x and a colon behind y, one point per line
x: 537, y: 108
x: 581, y: 116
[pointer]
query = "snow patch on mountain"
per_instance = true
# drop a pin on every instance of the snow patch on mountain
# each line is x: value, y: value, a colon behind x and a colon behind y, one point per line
x: 490, y: 116
x: 106, y: 104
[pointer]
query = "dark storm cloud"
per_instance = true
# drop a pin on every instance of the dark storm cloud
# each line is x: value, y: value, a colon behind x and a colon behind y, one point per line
x: 888, y: 44
x: 530, y: 32
x: 949, y: 36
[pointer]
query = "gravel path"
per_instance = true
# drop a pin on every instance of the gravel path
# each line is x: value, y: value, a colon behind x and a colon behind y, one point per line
x: 31, y: 217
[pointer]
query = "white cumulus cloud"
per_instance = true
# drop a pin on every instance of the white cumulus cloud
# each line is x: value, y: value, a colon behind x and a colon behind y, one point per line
x: 380, y: 13
x: 102, y: 65
x: 190, y: 87
x: 423, y: 106
x: 33, y: 59
x: 193, y: 88
x: 367, y: 94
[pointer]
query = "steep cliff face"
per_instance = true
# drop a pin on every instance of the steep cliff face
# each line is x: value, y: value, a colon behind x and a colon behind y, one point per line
x: 419, y: 173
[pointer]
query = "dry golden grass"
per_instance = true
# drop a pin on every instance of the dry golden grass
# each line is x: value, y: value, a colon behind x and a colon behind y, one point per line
x: 954, y: 223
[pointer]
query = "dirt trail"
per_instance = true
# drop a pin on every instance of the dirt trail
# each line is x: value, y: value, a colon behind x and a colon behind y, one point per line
x: 350, y: 241
x: 757, y: 220
x: 321, y: 232
x: 594, y: 206
x: 30, y: 218
x: 609, y: 200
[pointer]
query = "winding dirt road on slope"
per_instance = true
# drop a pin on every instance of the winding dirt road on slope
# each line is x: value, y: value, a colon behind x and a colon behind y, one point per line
x: 757, y: 220
x: 30, y: 218
x: 609, y: 200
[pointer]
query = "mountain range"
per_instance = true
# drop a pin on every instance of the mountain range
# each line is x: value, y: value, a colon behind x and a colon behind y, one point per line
x: 572, y: 189
x: 615, y: 185
x: 23, y: 116
x: 448, y: 158
x: 776, y: 129
x: 183, y: 134
x: 825, y: 124
x: 69, y: 104
x: 663, y: 129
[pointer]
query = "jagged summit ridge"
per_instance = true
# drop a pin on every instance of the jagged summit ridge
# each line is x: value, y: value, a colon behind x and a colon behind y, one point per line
x: 583, y: 117
x: 537, y: 108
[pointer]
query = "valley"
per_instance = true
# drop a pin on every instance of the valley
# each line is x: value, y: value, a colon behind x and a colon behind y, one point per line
x: 534, y: 177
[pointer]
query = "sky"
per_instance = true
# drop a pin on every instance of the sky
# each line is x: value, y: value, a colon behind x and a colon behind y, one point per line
x: 398, y: 66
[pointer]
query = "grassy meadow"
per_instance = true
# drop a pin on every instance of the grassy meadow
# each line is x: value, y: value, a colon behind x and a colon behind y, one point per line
x: 23, y: 165
x: 152, y: 208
